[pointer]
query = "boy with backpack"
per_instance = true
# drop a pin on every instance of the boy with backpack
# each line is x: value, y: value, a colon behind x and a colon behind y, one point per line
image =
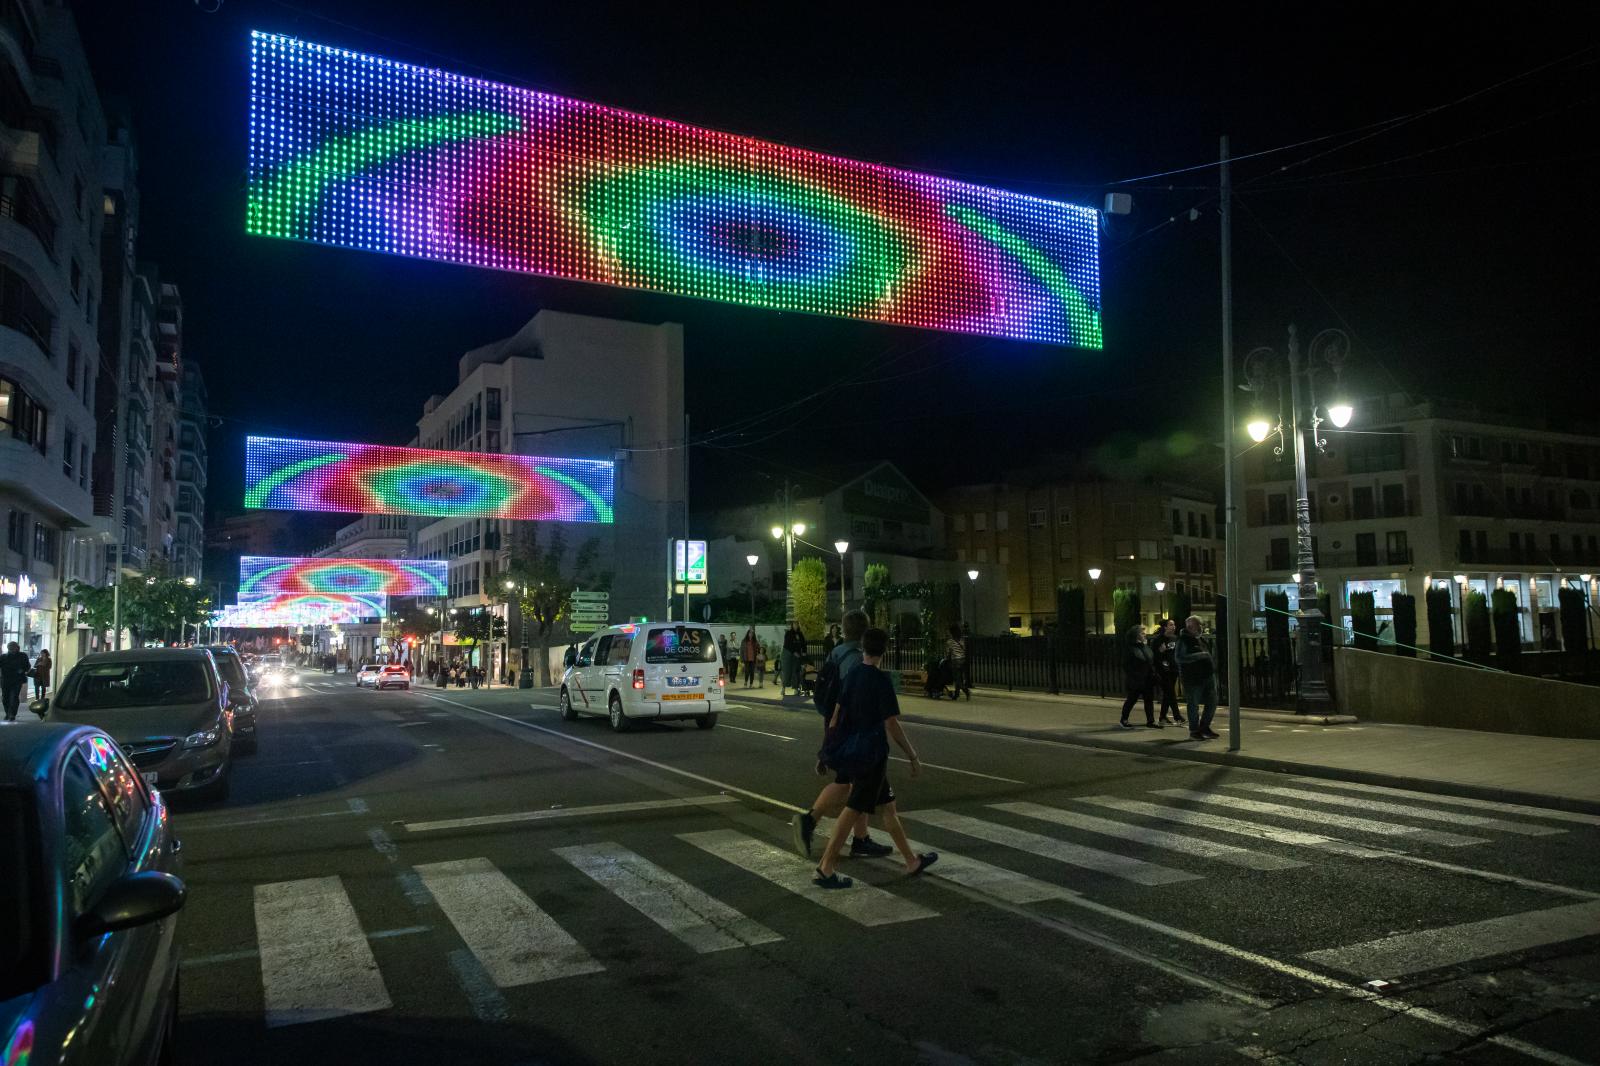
x: 841, y: 661
x: 866, y: 717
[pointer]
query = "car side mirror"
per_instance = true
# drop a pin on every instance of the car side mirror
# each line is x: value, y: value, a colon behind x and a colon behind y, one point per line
x: 136, y: 899
x: 40, y: 706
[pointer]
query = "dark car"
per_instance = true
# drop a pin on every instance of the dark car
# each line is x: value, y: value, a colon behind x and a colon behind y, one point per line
x: 88, y: 937
x: 241, y: 696
x: 166, y: 707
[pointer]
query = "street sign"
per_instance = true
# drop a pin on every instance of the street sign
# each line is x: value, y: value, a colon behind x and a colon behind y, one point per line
x: 697, y: 590
x: 696, y: 562
x: 581, y: 596
x: 590, y: 616
x: 586, y: 627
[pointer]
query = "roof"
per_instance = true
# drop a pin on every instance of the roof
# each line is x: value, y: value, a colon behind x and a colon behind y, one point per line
x: 23, y: 745
x: 139, y: 654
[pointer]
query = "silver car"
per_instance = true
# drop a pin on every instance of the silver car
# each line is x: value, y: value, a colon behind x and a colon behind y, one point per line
x: 166, y: 707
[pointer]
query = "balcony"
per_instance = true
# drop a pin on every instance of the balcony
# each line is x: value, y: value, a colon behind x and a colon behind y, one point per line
x: 1345, y: 560
x: 1525, y: 512
x: 1539, y: 558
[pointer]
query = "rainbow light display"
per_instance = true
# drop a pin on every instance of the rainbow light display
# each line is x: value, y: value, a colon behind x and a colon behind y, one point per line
x: 264, y: 578
x: 315, y: 475
x: 357, y: 151
x: 300, y: 610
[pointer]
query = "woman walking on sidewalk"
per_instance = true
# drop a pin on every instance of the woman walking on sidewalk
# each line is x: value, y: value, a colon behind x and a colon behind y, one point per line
x: 1163, y: 647
x: 1139, y: 666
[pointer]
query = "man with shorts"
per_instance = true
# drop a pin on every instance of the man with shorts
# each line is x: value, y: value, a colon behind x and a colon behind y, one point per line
x: 830, y: 801
x: 867, y: 706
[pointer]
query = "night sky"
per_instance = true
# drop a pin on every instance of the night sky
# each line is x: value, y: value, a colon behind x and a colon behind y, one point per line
x: 1456, y: 246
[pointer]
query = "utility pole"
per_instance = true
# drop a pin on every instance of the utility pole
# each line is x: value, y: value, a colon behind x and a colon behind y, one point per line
x: 1230, y: 544
x: 686, y: 516
x: 788, y: 556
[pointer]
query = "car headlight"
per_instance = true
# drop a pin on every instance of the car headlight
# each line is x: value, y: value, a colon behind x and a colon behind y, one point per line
x: 203, y: 739
x: 294, y: 679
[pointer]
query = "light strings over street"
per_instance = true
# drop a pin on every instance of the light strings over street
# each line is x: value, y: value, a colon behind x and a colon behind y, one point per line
x: 362, y: 152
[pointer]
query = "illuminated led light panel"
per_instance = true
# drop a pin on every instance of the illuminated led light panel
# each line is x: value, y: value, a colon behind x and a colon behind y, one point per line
x: 263, y: 577
x: 299, y: 611
x: 315, y: 475
x: 356, y: 151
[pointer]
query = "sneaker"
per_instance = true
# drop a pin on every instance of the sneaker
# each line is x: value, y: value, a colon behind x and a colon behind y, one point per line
x: 1155, y: 725
x: 1126, y: 725
x: 801, y: 829
x: 1212, y: 736
x: 1197, y: 736
x: 866, y: 846
x: 833, y: 880
x: 925, y: 860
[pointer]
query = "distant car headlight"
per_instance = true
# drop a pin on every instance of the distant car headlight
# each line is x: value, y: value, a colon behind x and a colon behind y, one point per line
x: 294, y: 679
x: 203, y: 739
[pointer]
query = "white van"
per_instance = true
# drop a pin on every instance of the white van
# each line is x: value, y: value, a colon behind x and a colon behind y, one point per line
x: 652, y: 671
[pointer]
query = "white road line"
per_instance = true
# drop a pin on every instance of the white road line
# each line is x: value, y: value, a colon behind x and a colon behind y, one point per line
x: 517, y: 943
x: 997, y: 881
x: 762, y: 732
x: 1321, y: 817
x: 315, y: 962
x: 1426, y: 814
x: 1456, y: 801
x: 566, y: 812
x: 704, y: 923
x: 1188, y: 845
x: 860, y: 903
x: 1431, y: 949
x: 1106, y: 862
x: 957, y: 770
x: 1207, y: 820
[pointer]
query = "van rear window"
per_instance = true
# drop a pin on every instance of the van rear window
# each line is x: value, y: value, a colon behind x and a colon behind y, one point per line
x: 684, y: 644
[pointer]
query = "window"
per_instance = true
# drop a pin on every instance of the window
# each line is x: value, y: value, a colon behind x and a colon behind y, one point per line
x: 1580, y: 499
x: 1177, y: 520
x: 1366, y: 549
x: 982, y: 555
x: 17, y: 530
x: 1063, y: 516
x: 492, y: 405
x: 1122, y: 514
x: 118, y: 781
x: 961, y: 555
x: 69, y: 452
x: 1205, y: 525
x: 92, y: 855
x: 1124, y: 549
x: 1003, y: 555
x: 22, y: 416
x: 959, y: 523
x: 1036, y: 518
x: 1396, y: 547
x: 621, y: 648
x: 1464, y: 545
x: 23, y: 310
x: 1002, y: 521
x: 1194, y: 527
x: 1148, y: 549
x: 83, y: 466
x: 1066, y: 551
x: 980, y: 521
x: 1555, y: 544
x: 1277, y: 510
x: 1279, y: 557
x: 1361, y: 501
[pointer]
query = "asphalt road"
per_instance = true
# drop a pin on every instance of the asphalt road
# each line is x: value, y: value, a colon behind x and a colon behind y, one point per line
x: 457, y: 876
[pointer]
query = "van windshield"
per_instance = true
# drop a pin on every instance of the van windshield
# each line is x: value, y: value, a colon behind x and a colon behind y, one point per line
x: 684, y: 644
x: 98, y: 686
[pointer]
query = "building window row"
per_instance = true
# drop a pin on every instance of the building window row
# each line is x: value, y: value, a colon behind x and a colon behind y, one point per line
x: 23, y: 310
x: 21, y: 200
x: 23, y: 417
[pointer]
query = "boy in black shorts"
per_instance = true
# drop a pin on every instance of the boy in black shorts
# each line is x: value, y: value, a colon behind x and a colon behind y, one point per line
x: 867, y: 704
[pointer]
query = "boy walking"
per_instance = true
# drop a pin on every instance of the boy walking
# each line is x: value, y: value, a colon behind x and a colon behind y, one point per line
x: 867, y: 716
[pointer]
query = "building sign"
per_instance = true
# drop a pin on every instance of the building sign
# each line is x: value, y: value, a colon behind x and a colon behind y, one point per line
x: 357, y: 151
x: 20, y: 587
x: 695, y: 571
x: 883, y: 493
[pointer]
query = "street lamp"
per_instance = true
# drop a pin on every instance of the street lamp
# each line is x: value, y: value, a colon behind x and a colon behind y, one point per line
x: 523, y: 678
x: 1161, y: 587
x: 972, y: 577
x: 1328, y: 351
x: 1461, y: 606
x: 752, y: 560
x: 778, y: 533
x: 842, y: 546
x: 1094, y: 578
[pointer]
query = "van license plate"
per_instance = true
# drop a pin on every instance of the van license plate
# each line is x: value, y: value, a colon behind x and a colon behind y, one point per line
x: 681, y: 696
x: 682, y: 682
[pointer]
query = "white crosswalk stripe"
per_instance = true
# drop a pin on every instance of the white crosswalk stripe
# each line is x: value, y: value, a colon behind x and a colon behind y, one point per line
x: 860, y: 903
x: 517, y: 943
x: 1106, y: 862
x: 996, y: 881
x: 1223, y: 824
x: 703, y: 923
x: 1321, y: 817
x: 1546, y: 813
x: 315, y: 960
x: 1188, y: 845
x: 1426, y: 814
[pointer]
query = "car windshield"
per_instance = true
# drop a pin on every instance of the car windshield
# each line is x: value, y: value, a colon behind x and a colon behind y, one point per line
x: 682, y: 644
x: 21, y: 961
x: 158, y: 683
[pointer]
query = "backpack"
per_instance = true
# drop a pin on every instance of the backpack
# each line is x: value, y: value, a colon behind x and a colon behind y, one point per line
x: 825, y: 693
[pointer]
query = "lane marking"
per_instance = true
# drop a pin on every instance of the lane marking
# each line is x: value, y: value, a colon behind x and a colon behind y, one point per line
x: 1207, y: 820
x: 1342, y: 821
x: 957, y: 770
x: 703, y: 923
x: 1430, y: 949
x: 1426, y: 814
x: 515, y: 941
x: 1457, y: 801
x: 862, y: 903
x: 1106, y: 862
x: 762, y: 732
x: 1188, y: 845
x: 252, y: 953
x: 997, y: 881
x: 565, y: 812
x: 315, y: 961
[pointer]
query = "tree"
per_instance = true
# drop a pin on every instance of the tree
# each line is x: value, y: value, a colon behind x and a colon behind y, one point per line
x: 874, y: 581
x: 810, y: 592
x: 1405, y: 623
x: 1363, y: 614
x: 154, y: 606
x: 1476, y: 613
x: 1574, y: 623
x: 1124, y: 610
x: 544, y: 586
x: 1069, y: 618
x: 1182, y: 606
x: 1507, y: 631
x: 477, y: 628
x: 93, y: 604
x: 1441, y: 624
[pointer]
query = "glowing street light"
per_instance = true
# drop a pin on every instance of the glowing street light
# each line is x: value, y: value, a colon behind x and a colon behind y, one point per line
x: 1094, y: 578
x: 842, y: 546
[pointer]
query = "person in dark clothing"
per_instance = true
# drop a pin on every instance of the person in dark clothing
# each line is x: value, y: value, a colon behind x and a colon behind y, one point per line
x: 1163, y: 647
x: 14, y: 668
x: 1199, y: 672
x: 42, y: 667
x: 749, y: 650
x: 794, y: 652
x: 1139, y: 670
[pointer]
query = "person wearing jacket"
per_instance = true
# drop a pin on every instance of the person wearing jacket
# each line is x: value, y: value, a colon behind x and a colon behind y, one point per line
x: 1199, y: 672
x: 42, y: 668
x: 1163, y: 648
x: 1139, y: 669
x: 14, y: 670
x: 749, y: 651
x: 794, y: 653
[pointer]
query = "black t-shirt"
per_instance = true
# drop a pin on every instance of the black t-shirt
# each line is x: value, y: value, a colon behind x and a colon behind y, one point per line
x: 867, y: 698
x: 14, y: 666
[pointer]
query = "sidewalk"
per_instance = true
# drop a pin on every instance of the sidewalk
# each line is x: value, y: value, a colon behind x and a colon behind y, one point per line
x: 1542, y: 771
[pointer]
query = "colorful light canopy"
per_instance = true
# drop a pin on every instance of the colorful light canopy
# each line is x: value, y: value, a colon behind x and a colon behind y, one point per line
x: 357, y: 151
x: 300, y: 610
x: 264, y: 577
x: 313, y: 475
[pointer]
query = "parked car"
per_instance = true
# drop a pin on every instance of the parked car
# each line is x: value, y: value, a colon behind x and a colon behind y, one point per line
x: 240, y: 696
x: 393, y: 677
x: 368, y: 674
x: 650, y: 671
x: 166, y: 707
x: 88, y: 933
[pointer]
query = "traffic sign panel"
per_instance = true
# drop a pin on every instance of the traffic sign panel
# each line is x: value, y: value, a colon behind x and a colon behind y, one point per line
x: 586, y: 627
x: 580, y: 594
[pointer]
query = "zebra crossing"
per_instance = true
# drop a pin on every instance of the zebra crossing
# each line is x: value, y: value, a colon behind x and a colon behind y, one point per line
x: 316, y: 957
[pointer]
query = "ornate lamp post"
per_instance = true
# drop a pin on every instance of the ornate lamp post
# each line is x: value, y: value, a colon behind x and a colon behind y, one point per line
x: 842, y: 546
x: 1262, y: 368
x: 1161, y: 587
x: 523, y: 680
x: 752, y: 560
x: 1094, y: 579
x: 972, y: 579
x: 787, y: 535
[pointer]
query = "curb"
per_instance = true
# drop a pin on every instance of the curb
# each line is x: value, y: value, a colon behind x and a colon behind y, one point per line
x: 1284, y: 766
x: 1253, y: 713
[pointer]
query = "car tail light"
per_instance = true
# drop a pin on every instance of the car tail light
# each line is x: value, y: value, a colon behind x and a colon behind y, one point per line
x: 722, y: 676
x: 638, y: 679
